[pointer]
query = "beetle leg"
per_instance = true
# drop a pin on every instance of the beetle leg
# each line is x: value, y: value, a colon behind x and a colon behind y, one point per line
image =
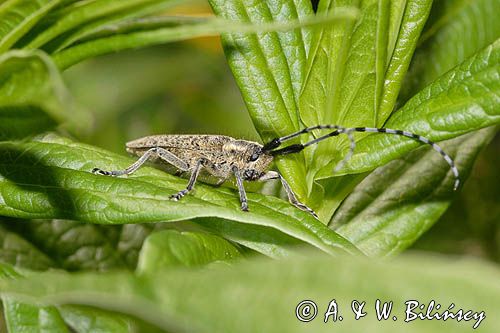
x: 241, y: 188
x: 170, y: 158
x: 220, y: 182
x: 192, y: 181
x: 289, y: 192
x: 157, y: 151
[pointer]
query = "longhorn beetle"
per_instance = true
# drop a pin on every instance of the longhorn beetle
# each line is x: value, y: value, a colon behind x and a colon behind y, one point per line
x: 223, y: 157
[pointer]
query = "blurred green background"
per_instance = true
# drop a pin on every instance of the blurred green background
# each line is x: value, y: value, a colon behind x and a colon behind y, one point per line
x: 188, y: 88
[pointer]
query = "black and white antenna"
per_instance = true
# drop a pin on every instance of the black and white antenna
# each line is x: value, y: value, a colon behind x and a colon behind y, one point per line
x: 271, y: 146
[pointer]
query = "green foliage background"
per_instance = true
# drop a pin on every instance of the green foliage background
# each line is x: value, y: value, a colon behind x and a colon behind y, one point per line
x: 86, y: 253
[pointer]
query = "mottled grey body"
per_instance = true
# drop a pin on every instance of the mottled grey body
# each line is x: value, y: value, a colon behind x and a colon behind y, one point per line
x: 220, y: 156
x: 219, y: 153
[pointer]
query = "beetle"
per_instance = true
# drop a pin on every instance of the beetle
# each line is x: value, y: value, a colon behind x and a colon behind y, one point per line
x: 224, y: 157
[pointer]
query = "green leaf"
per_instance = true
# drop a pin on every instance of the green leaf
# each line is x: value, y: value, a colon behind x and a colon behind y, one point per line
x: 270, y: 69
x: 459, y: 29
x: 346, y: 68
x: 19, y: 252
x: 424, y: 193
x: 413, y: 21
x: 50, y: 178
x: 397, y: 203
x: 33, y: 98
x: 70, y: 244
x: 351, y: 69
x: 181, y: 300
x: 164, y: 34
x: 265, y: 240
x: 170, y: 248
x: 116, y: 18
x: 345, y: 77
x: 83, y: 319
x: 355, y: 66
x: 18, y: 16
x: 126, y: 27
x: 463, y: 100
x: 76, y: 15
x: 24, y: 317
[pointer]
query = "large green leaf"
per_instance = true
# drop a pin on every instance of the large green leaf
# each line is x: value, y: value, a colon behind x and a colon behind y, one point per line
x: 17, y: 17
x: 39, y: 245
x: 155, y: 31
x: 351, y: 69
x: 354, y: 72
x: 76, y: 15
x: 463, y: 100
x: 408, y: 32
x: 240, y: 298
x: 397, y: 203
x: 170, y: 248
x: 410, y: 194
x: 24, y: 317
x: 270, y: 69
x: 346, y: 70
x: 458, y: 30
x: 50, y: 178
x: 95, y: 26
x: 345, y: 76
x: 33, y: 98
x: 19, y: 252
x: 70, y: 245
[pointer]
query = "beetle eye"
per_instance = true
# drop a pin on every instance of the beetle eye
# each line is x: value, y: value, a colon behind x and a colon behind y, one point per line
x: 254, y: 157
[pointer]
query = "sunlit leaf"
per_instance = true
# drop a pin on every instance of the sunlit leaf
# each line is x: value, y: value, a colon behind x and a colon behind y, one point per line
x: 397, y: 203
x: 78, y: 14
x: 390, y: 209
x: 462, y: 100
x: 412, y: 23
x: 160, y: 31
x: 270, y: 69
x: 52, y: 179
x: 17, y: 17
x: 457, y: 31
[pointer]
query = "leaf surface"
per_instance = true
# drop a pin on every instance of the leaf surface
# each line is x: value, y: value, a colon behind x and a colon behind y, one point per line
x: 205, y: 300
x: 462, y: 100
x: 170, y: 248
x: 25, y: 317
x: 17, y: 17
x: 33, y: 98
x: 52, y: 179
x: 270, y: 69
x: 392, y: 207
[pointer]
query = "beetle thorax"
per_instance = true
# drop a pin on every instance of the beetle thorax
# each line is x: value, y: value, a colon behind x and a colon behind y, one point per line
x: 248, y: 157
